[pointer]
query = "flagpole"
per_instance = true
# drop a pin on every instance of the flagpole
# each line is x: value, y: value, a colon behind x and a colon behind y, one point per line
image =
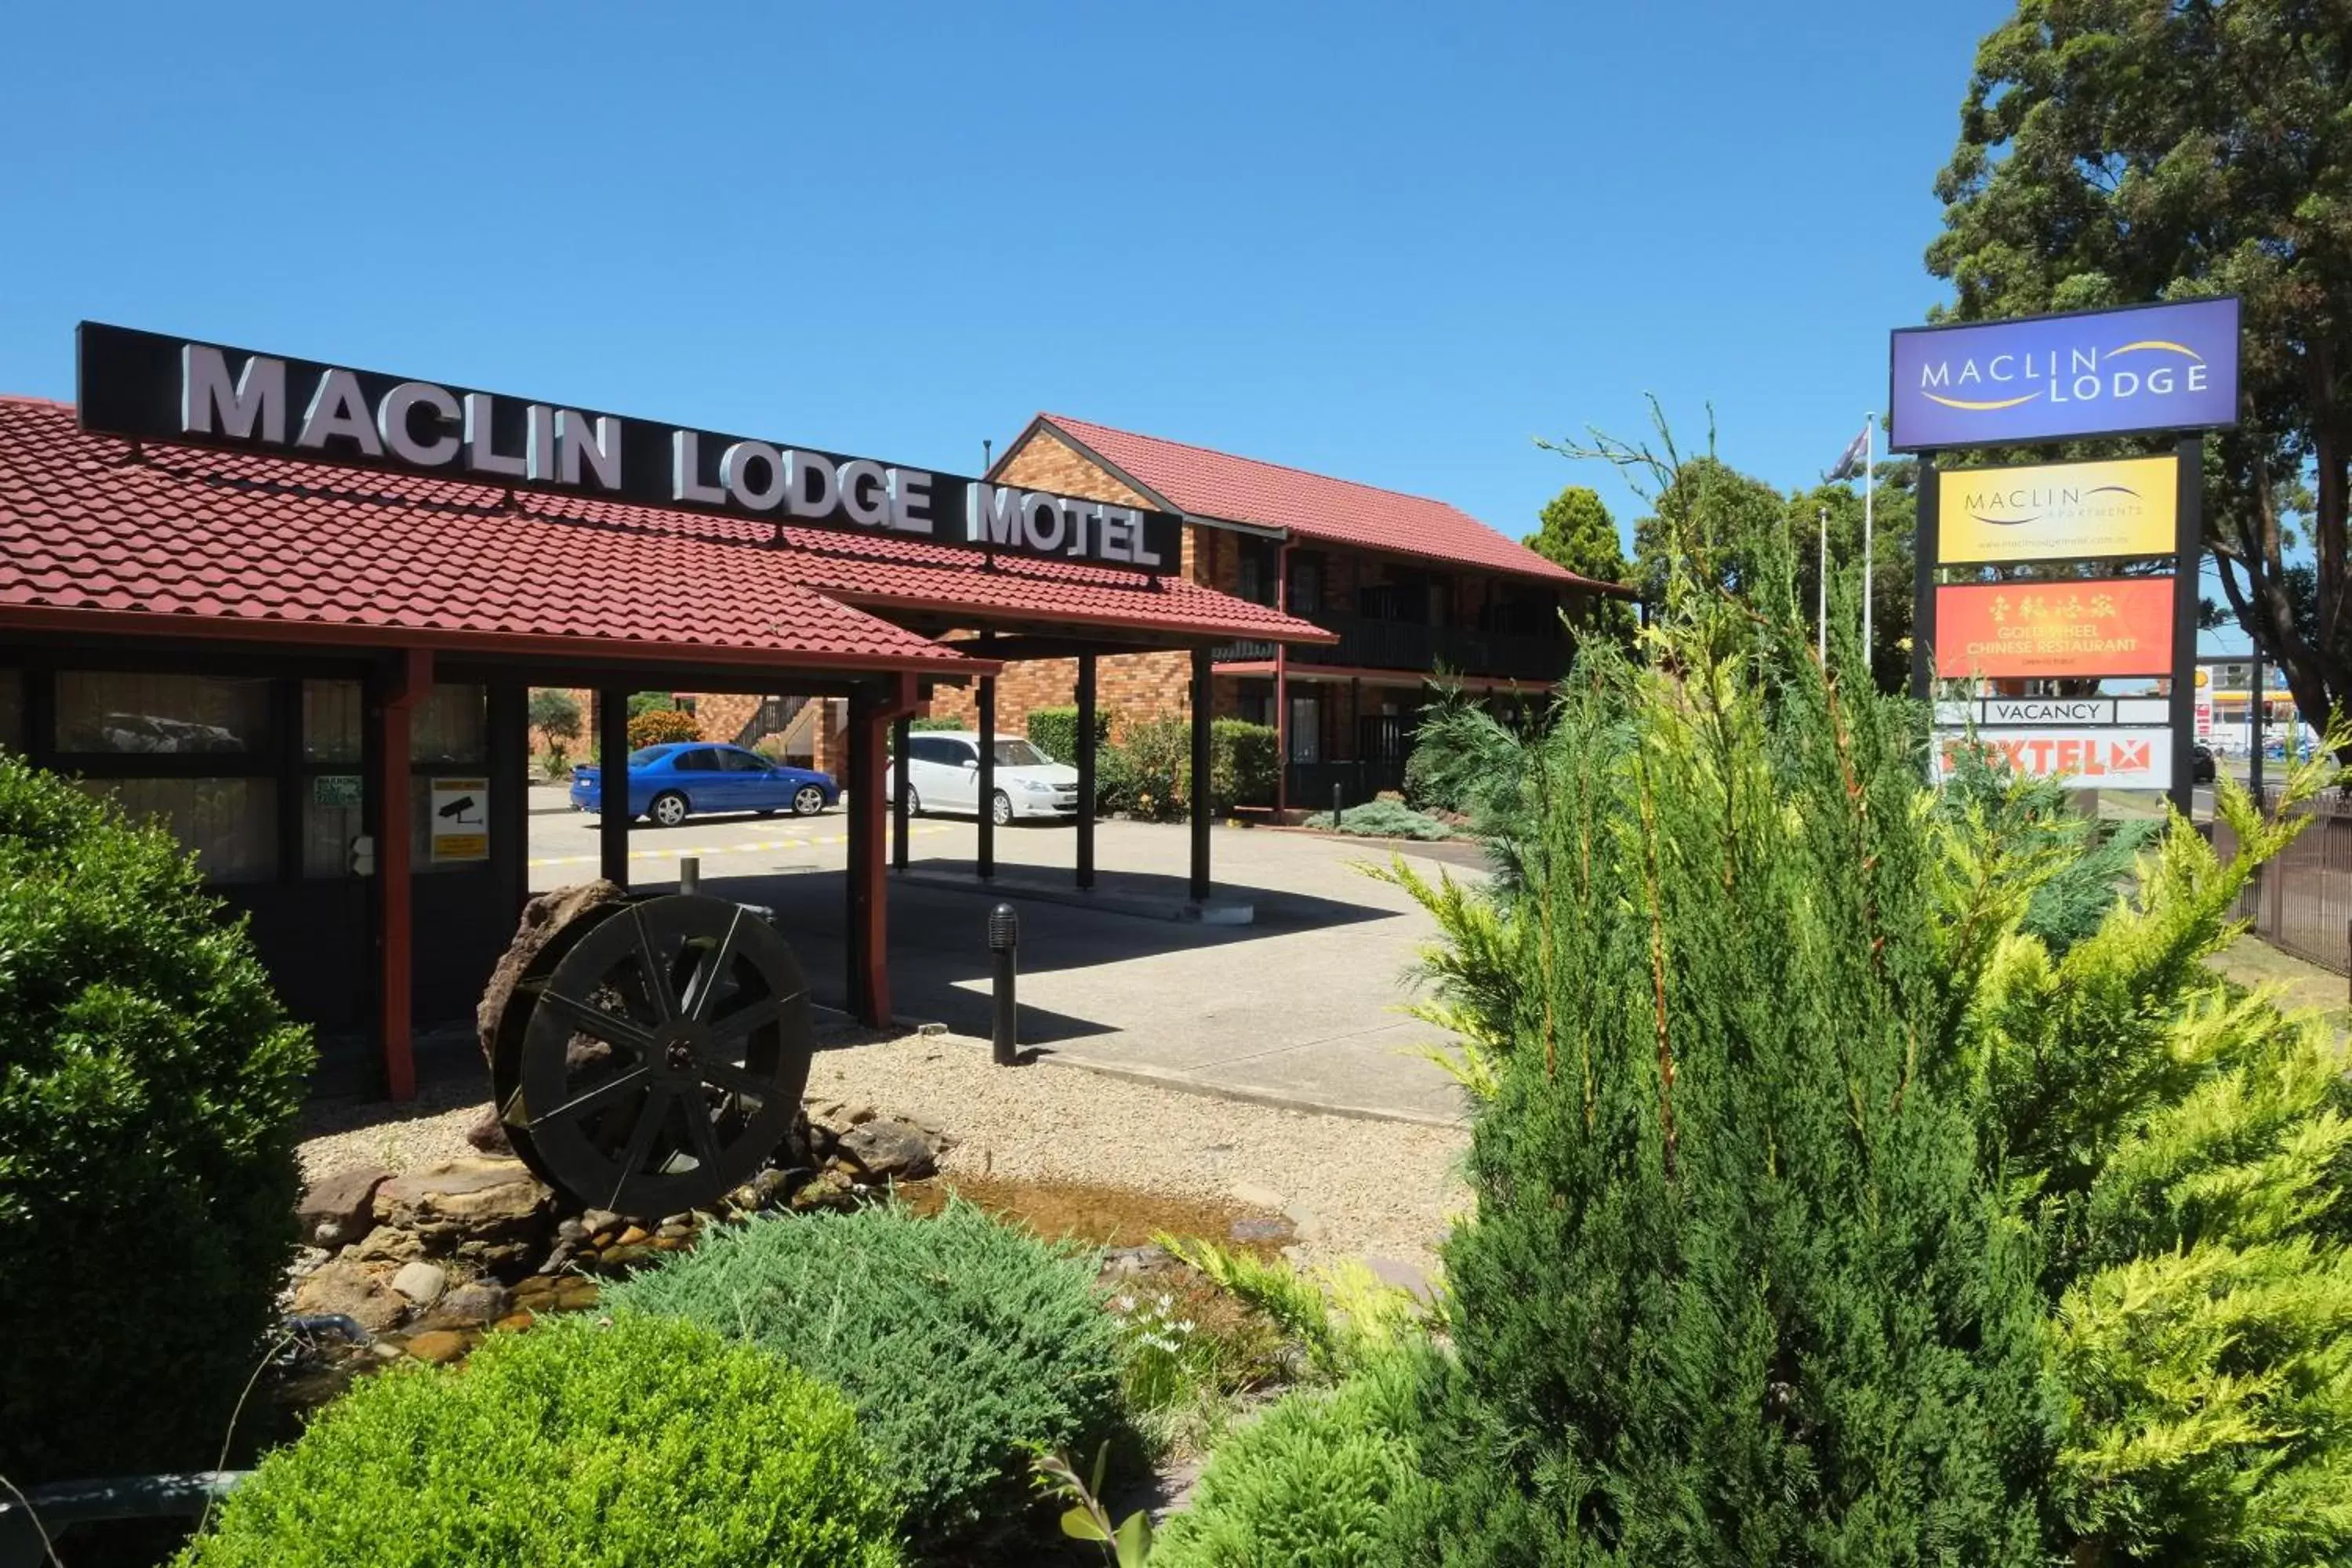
x: 1822, y: 615
x: 1869, y: 483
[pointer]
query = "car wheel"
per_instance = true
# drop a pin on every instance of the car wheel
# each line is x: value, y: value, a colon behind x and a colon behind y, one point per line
x: 669, y: 808
x: 1000, y: 810
x: 913, y: 802
x: 807, y: 801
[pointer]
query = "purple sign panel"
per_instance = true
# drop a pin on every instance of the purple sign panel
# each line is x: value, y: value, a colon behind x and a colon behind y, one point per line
x: 2094, y: 372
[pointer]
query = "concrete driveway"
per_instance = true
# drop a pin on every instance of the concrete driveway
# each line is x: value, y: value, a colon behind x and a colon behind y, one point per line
x: 1299, y: 1007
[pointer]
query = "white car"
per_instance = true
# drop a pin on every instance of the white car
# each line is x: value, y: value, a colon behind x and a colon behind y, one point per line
x: 943, y: 775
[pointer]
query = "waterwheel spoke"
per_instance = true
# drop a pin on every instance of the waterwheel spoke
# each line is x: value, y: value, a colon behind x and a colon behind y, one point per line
x: 587, y: 1019
x: 641, y: 1139
x: 712, y: 972
x: 701, y: 1134
x: 736, y: 1079
x: 596, y: 1099
x: 656, y: 973
x: 745, y: 1019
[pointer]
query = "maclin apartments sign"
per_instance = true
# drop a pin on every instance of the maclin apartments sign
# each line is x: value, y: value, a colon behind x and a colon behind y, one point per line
x: 184, y: 392
x: 2095, y: 372
x: 2058, y: 511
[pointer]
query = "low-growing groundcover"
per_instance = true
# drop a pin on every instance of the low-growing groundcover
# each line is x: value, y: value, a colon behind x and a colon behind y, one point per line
x: 644, y: 1443
x: 148, y: 1089
x: 964, y: 1343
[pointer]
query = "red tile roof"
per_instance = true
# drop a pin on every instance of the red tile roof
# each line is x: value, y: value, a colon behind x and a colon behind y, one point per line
x: 1314, y: 506
x: 363, y: 555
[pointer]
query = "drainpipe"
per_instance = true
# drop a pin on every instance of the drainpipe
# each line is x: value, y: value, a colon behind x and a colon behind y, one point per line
x: 1282, y: 689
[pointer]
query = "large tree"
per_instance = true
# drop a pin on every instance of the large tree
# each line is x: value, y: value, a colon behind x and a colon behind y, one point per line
x: 2113, y: 151
x: 1575, y: 530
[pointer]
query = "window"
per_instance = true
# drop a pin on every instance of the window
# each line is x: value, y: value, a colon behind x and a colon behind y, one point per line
x: 1305, y: 596
x: 1017, y: 755
x: 1305, y: 730
x: 947, y: 750
x: 645, y: 756
x: 741, y: 763
x: 700, y: 760
x: 104, y: 712
x: 230, y: 823
x: 331, y: 789
x: 330, y: 721
x: 450, y: 725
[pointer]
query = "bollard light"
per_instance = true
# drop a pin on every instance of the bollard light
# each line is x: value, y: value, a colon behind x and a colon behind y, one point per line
x: 1338, y: 794
x: 690, y: 873
x: 1003, y: 942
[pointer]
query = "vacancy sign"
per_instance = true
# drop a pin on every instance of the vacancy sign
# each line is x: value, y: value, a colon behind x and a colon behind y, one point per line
x: 2083, y: 756
x: 2115, y: 625
x: 461, y: 819
x: 2058, y: 511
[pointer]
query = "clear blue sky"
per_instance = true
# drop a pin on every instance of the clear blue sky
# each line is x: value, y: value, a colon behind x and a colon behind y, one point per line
x: 1386, y: 241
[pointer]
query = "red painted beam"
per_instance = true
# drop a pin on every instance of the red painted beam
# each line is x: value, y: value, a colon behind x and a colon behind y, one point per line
x: 410, y: 680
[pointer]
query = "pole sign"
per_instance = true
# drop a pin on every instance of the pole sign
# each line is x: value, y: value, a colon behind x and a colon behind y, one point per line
x: 1995, y: 712
x: 2133, y: 370
x: 187, y: 393
x: 2116, y: 626
x: 2087, y: 757
x: 2058, y: 511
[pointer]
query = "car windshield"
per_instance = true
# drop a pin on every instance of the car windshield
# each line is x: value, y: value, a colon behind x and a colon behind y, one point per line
x: 1018, y: 754
x: 645, y: 755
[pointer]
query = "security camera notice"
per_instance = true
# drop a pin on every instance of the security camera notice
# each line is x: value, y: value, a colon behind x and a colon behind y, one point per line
x: 460, y: 817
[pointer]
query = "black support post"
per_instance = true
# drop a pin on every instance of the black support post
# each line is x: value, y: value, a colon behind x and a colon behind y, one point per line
x: 1923, y: 587
x: 856, y: 950
x: 984, y: 788
x: 1085, y: 761
x: 2190, y: 544
x: 900, y: 732
x: 1201, y: 804
x: 2256, y: 722
x: 613, y: 785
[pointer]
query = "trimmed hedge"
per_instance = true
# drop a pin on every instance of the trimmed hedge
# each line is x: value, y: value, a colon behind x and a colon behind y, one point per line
x: 964, y: 1343
x: 149, y: 1087
x: 1244, y: 759
x: 646, y: 1441
x: 1054, y: 731
x: 661, y: 727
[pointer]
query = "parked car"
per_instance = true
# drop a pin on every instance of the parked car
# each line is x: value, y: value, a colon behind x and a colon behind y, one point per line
x: 942, y: 768
x: 672, y: 782
x: 2200, y: 770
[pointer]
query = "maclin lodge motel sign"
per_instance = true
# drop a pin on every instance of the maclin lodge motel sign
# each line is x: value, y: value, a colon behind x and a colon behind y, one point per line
x: 2095, y: 533
x: 187, y: 393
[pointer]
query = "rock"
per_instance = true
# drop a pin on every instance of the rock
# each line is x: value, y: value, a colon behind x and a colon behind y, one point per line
x: 595, y: 1220
x: 829, y: 1189
x: 1123, y: 1262
x: 440, y: 1345
x: 542, y: 919
x: 420, y: 1282
x: 386, y: 1245
x: 1251, y: 1195
x: 475, y: 1302
x: 571, y: 1230
x: 348, y: 1286
x: 888, y: 1150
x: 860, y: 1116
x: 634, y: 1234
x: 625, y: 1257
x: 575, y: 1295
x: 484, y: 1211
x: 1404, y: 1276
x: 488, y: 1132
x: 1305, y: 1224
x: 1254, y: 1229
x: 339, y: 1208
x: 514, y: 1322
x: 674, y: 1233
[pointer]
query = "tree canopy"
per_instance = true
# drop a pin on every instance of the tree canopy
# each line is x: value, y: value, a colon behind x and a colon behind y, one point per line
x: 1575, y: 530
x: 2114, y: 152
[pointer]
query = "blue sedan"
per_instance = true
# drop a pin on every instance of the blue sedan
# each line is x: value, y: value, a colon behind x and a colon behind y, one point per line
x: 672, y: 782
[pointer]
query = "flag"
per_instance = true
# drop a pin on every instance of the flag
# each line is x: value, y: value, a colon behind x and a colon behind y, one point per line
x: 1851, y: 464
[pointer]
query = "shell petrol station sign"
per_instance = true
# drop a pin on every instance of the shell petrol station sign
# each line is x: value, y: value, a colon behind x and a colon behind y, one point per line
x: 2034, y: 647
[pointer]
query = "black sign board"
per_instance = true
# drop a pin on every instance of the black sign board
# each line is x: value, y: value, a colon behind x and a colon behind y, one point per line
x: 188, y: 393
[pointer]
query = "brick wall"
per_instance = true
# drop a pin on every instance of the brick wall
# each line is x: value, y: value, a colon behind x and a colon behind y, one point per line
x: 1131, y: 686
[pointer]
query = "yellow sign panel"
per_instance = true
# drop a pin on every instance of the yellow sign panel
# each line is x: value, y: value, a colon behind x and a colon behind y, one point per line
x: 2057, y: 511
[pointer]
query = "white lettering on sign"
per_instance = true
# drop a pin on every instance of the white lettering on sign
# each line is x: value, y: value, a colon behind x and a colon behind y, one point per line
x: 210, y: 402
x: 2085, y: 758
x: 578, y: 444
x: 738, y: 466
x: 1999, y: 711
x: 481, y: 456
x: 395, y: 421
x: 340, y: 408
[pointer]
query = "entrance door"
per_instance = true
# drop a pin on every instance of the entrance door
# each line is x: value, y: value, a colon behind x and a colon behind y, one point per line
x: 1305, y: 729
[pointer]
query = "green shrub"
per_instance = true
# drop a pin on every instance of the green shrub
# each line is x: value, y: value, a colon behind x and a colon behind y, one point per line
x: 555, y: 713
x: 642, y: 1442
x: 964, y: 1343
x: 661, y: 727
x: 1318, y: 1481
x: 1054, y: 731
x: 1384, y: 819
x: 1244, y: 759
x: 1156, y: 768
x: 149, y: 1088
x: 938, y: 723
x: 652, y: 702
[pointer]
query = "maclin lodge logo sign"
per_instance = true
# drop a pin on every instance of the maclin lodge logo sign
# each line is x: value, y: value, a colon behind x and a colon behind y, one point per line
x: 186, y: 393
x: 2098, y: 373
x: 2115, y: 625
x: 2059, y: 511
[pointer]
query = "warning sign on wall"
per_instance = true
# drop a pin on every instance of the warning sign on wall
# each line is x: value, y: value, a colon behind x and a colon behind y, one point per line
x: 460, y: 820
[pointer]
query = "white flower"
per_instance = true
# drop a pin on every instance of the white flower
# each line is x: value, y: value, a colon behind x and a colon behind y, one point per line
x: 1124, y: 1304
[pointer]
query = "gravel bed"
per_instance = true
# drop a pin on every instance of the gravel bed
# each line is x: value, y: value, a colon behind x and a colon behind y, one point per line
x: 1383, y: 1189
x: 1357, y: 1188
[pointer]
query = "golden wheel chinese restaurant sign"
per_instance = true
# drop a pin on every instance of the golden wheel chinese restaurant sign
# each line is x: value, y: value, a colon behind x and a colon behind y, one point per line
x: 2116, y: 626
x: 2058, y: 511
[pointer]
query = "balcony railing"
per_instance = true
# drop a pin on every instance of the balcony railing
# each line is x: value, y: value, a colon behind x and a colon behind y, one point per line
x: 1402, y: 646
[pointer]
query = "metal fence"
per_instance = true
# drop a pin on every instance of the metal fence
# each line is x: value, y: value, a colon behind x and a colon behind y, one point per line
x: 2302, y: 901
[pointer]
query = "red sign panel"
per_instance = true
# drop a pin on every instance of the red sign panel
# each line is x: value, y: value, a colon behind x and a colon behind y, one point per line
x: 2115, y: 625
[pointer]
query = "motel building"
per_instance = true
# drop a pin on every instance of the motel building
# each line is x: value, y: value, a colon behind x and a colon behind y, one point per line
x: 293, y: 609
x: 1415, y: 592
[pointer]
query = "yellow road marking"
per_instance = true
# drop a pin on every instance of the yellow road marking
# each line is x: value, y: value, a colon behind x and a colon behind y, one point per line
x: 671, y: 852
